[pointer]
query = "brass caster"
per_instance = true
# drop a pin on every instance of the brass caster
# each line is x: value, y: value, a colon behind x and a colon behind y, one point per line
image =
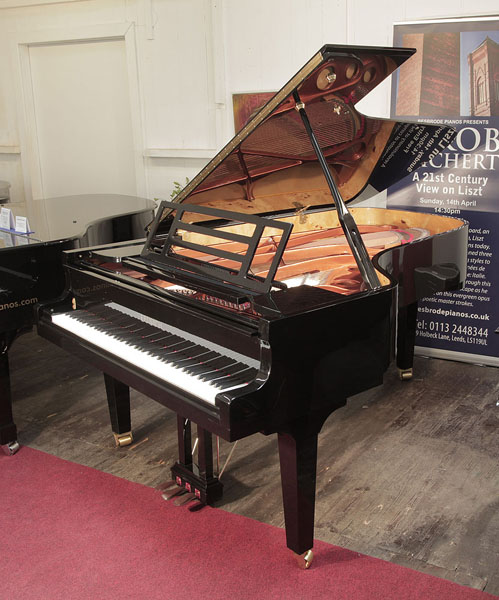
x: 305, y: 560
x: 123, y: 439
x: 405, y: 374
x: 12, y: 447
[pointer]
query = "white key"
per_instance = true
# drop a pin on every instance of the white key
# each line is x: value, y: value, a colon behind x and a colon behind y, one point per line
x: 168, y: 372
x: 251, y: 362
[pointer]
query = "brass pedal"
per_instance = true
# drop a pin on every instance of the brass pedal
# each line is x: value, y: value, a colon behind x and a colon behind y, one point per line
x: 195, y: 506
x: 165, y: 485
x: 184, y: 499
x: 168, y: 495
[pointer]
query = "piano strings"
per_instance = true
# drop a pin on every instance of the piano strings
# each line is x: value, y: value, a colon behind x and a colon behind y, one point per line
x: 319, y: 258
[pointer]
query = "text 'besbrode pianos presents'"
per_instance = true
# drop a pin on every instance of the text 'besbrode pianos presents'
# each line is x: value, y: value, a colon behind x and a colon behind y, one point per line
x: 259, y: 302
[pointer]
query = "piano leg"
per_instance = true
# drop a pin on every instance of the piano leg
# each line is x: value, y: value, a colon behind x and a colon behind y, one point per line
x: 8, y: 430
x: 298, y: 459
x: 406, y: 339
x: 118, y: 399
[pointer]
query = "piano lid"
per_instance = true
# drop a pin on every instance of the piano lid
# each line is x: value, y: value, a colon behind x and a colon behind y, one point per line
x: 270, y: 167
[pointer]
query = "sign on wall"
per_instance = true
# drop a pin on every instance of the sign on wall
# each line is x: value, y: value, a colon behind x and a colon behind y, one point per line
x: 453, y: 79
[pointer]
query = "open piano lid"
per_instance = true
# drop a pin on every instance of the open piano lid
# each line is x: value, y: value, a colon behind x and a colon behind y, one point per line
x: 270, y: 168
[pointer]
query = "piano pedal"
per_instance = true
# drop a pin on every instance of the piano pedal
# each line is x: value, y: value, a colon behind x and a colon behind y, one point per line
x: 206, y: 489
x: 165, y: 485
x: 123, y: 439
x: 168, y: 495
x: 196, y: 505
x: 184, y: 499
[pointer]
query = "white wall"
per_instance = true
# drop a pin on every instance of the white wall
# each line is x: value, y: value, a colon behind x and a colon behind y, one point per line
x: 185, y: 59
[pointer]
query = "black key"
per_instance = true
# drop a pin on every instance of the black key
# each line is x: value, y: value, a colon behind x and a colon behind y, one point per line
x: 171, y: 349
x: 85, y: 317
x: 98, y: 321
x: 243, y: 377
x: 182, y: 357
x: 230, y: 372
x: 226, y: 382
x: 201, y: 369
x: 160, y: 348
x: 217, y: 367
x: 214, y: 375
x: 163, y: 342
x: 124, y: 324
x: 135, y: 334
x: 99, y: 309
x: 161, y: 337
x: 136, y: 329
x: 124, y: 320
x: 233, y: 369
x: 197, y: 353
x: 197, y: 361
x: 204, y: 370
x: 116, y: 332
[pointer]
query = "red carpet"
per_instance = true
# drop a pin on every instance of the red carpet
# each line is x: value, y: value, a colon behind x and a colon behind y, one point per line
x: 70, y: 532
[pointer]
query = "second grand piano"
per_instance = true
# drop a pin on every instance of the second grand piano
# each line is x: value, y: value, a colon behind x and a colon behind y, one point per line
x: 31, y: 266
x: 259, y: 302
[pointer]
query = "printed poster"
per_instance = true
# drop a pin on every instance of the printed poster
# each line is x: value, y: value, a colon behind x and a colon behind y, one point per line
x: 453, y: 79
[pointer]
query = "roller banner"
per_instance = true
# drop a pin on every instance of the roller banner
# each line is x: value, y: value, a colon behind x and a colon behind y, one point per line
x: 453, y: 79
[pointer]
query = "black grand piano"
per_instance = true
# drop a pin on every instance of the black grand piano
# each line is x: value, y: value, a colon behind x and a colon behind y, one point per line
x: 31, y: 265
x: 260, y: 302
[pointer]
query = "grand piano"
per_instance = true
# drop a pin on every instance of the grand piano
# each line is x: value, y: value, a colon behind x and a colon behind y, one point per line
x: 260, y: 302
x: 31, y: 266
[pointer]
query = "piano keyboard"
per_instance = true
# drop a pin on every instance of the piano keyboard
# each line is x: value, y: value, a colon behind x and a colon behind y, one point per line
x: 189, y: 362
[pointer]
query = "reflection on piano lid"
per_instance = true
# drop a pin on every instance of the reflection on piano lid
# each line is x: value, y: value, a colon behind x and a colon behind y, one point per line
x: 10, y: 239
x: 87, y: 217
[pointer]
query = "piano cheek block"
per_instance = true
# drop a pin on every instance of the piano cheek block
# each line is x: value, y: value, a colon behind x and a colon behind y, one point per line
x: 437, y: 278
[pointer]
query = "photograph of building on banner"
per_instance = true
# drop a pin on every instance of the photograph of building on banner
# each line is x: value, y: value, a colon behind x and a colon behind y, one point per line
x: 453, y: 79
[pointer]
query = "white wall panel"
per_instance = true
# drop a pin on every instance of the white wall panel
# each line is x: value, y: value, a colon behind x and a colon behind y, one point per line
x: 267, y: 42
x: 177, y: 91
x: 83, y: 118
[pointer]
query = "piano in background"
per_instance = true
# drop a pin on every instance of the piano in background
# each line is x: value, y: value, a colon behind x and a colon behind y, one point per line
x: 258, y: 303
x: 31, y: 266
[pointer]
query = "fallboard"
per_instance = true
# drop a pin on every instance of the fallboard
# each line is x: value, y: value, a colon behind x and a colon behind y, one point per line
x: 89, y: 288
